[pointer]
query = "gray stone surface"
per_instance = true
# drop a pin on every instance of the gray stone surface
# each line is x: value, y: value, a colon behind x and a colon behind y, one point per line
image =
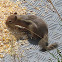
x: 31, y: 52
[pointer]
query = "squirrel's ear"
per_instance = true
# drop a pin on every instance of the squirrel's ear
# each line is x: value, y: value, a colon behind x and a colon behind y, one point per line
x: 15, y: 13
x: 15, y: 17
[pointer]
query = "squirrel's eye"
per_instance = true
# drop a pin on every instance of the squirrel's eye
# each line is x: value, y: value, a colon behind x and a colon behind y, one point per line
x: 10, y: 21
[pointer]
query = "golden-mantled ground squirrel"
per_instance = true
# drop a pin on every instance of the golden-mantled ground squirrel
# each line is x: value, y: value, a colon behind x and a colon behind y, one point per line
x: 37, y: 27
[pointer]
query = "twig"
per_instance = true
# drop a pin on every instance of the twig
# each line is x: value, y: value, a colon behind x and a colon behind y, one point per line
x: 54, y: 8
x: 29, y: 30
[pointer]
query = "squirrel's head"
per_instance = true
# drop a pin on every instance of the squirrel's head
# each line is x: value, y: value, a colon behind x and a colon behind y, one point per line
x: 11, y: 20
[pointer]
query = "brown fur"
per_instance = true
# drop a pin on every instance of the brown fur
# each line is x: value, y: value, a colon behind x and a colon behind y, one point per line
x: 35, y: 25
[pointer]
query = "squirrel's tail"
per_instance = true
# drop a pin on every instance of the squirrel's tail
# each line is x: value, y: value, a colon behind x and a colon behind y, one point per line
x: 44, y: 44
x: 52, y: 46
